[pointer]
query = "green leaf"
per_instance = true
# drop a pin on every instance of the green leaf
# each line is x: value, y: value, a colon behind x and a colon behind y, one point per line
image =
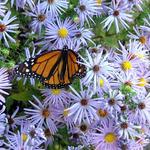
x: 55, y: 146
x: 9, y: 102
x: 76, y: 84
x: 22, y: 96
x: 111, y: 41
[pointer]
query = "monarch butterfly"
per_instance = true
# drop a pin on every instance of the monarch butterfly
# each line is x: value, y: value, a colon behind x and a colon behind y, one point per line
x: 55, y: 69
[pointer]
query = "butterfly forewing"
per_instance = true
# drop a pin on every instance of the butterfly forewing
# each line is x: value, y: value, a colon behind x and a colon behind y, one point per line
x: 44, y: 63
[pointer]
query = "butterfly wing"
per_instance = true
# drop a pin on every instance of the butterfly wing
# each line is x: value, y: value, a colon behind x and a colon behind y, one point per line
x: 55, y: 69
x: 59, y: 79
x: 75, y: 69
x: 67, y: 69
x: 45, y: 64
x: 41, y: 66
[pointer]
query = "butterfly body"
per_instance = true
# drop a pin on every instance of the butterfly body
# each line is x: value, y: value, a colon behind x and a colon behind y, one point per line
x: 55, y: 69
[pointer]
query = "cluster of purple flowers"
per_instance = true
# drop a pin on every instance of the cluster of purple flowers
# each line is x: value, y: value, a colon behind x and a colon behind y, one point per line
x: 111, y: 108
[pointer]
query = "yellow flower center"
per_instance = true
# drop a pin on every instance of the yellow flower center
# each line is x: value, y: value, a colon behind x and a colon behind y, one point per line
x: 143, y: 39
x: 99, y: 2
x: 142, y: 82
x: 56, y: 91
x: 101, y: 82
x: 45, y: 113
x: 24, y: 137
x: 66, y: 112
x: 63, y: 32
x: 110, y: 137
x: 2, y: 27
x: 126, y: 65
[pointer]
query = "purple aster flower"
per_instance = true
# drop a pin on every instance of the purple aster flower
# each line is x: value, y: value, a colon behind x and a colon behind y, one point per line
x: 143, y: 75
x: 105, y: 137
x: 84, y: 129
x: 19, y: 141
x: 30, y: 3
x: 6, y: 28
x: 75, y: 137
x: 142, y: 112
x: 74, y: 46
x: 98, y: 67
x: 33, y: 135
x: 48, y: 45
x: 42, y: 114
x: 130, y: 80
x: 63, y: 117
x: 86, y: 141
x: 104, y: 85
x: 18, y: 3
x: 60, y: 32
x: 101, y: 7
x: 96, y: 49
x: 103, y: 113
x: 14, y: 120
x: 83, y: 35
x: 40, y: 18
x: 55, y: 7
x: 84, y: 108
x: 135, y: 3
x: 114, y: 101
x: 2, y: 122
x: 15, y: 141
x: 127, y: 130
x: 137, y: 144
x: 56, y: 97
x: 3, y: 7
x: 118, y: 15
x: 49, y: 136
x: 22, y: 3
x: 4, y: 83
x: 125, y: 61
x: 135, y: 49
x: 141, y: 36
x: 86, y: 10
